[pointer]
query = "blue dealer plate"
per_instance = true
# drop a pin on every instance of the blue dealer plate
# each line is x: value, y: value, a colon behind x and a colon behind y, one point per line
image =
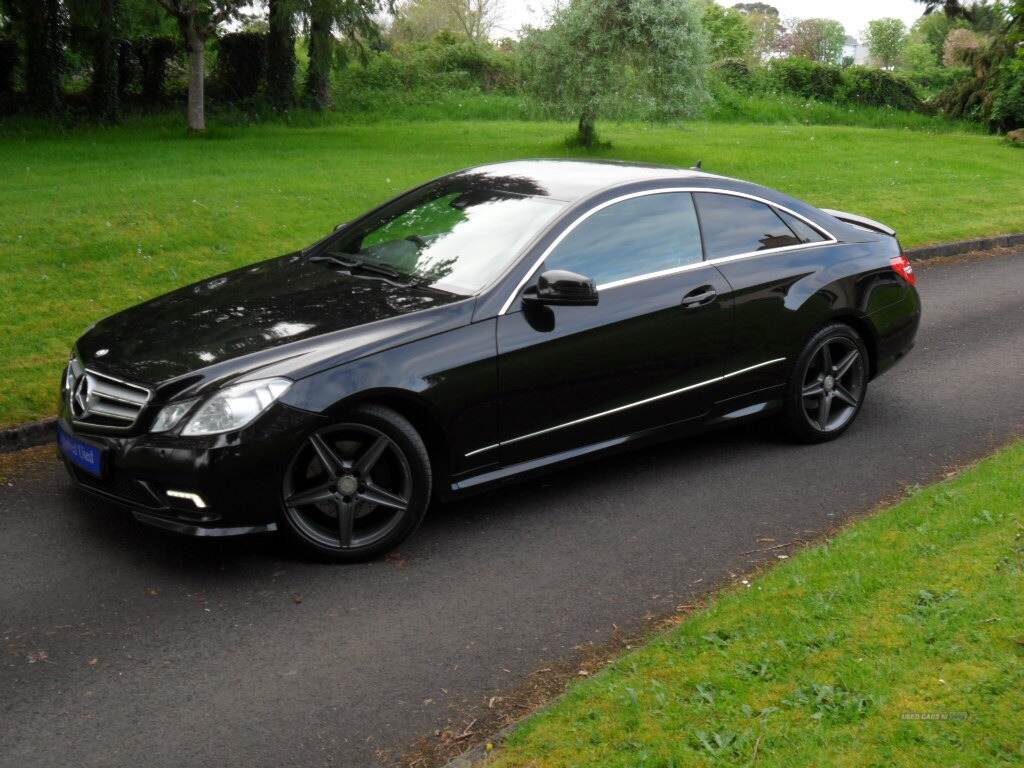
x: 83, y: 455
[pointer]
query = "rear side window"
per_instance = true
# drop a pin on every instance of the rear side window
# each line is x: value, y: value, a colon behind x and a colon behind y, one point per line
x: 734, y: 225
x: 632, y: 238
x: 801, y: 228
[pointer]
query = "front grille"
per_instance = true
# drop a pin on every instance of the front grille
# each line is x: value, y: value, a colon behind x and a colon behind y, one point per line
x: 98, y: 400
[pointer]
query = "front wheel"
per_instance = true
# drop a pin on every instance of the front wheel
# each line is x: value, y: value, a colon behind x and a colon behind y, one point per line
x: 356, y: 489
x: 828, y: 386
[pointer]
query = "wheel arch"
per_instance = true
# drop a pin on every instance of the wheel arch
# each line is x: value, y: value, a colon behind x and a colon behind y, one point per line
x: 864, y: 329
x: 412, y: 407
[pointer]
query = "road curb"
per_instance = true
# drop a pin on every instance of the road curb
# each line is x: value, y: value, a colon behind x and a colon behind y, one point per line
x: 28, y: 435
x: 962, y: 247
x: 42, y: 432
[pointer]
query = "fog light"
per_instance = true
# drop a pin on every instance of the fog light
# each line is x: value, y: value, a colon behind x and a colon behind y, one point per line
x: 195, y: 498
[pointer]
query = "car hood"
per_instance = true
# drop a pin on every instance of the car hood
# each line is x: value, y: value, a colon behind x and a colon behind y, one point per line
x: 248, y: 318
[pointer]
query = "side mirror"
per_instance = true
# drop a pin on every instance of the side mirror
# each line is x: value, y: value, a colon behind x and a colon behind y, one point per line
x: 342, y: 225
x: 561, y: 288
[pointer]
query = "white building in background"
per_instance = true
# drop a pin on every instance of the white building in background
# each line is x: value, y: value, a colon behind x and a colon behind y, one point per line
x: 854, y: 50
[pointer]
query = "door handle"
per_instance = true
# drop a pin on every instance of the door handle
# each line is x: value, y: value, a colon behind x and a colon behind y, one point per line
x: 700, y: 297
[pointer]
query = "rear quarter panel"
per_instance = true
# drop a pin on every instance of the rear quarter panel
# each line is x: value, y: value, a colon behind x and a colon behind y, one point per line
x: 782, y: 299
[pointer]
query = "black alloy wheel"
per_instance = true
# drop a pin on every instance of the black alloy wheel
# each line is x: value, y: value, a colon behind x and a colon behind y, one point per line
x: 829, y: 385
x: 356, y: 489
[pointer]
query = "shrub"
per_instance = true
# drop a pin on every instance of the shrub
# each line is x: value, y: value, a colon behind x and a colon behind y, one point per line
x: 806, y: 78
x: 1008, y: 102
x: 877, y: 88
x: 8, y: 62
x: 241, y: 57
x: 733, y: 72
x: 154, y: 55
x: 931, y: 80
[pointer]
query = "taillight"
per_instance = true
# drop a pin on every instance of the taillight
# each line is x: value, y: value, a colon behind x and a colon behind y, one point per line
x: 901, y: 266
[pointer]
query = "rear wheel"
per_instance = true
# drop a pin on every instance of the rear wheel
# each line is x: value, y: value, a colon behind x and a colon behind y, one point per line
x: 828, y: 386
x: 356, y: 489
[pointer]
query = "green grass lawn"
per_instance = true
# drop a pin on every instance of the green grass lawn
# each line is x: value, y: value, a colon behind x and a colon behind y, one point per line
x: 94, y: 220
x: 849, y: 654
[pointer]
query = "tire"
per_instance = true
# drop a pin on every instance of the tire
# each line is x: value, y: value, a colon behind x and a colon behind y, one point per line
x: 358, y: 488
x: 822, y: 404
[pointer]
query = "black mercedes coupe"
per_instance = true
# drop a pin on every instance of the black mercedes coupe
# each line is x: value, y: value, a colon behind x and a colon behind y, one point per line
x: 492, y: 323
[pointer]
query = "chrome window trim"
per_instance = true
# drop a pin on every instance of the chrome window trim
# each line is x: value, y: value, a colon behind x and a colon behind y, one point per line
x: 830, y: 238
x: 625, y: 407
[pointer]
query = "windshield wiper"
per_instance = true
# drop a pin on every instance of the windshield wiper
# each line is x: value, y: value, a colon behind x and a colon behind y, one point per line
x: 362, y: 265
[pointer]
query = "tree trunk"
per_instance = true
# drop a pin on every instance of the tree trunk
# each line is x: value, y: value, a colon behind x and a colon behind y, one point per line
x: 44, y: 54
x: 321, y: 55
x: 587, y: 133
x: 281, y: 56
x: 104, y: 64
x: 196, y: 43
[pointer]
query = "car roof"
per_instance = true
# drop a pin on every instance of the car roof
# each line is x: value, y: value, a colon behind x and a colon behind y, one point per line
x: 570, y: 180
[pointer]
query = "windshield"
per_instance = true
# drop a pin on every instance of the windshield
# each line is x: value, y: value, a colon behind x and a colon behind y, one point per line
x: 456, y: 236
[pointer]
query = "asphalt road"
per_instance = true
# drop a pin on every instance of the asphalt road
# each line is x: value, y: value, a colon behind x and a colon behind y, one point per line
x: 126, y: 647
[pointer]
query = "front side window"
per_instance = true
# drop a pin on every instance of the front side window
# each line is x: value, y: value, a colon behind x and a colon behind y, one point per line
x: 635, y: 237
x: 734, y: 225
x: 458, y: 236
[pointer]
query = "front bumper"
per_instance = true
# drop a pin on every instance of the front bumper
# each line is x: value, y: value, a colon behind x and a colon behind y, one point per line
x: 236, y: 476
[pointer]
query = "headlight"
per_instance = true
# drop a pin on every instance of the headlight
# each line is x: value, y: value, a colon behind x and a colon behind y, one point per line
x: 236, y: 406
x: 171, y: 414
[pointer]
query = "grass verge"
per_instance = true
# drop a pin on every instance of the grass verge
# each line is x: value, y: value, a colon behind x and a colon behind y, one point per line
x: 899, y: 643
x: 94, y: 219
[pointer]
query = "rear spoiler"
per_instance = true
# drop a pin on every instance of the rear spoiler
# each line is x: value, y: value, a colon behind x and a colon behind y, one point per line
x: 862, y: 221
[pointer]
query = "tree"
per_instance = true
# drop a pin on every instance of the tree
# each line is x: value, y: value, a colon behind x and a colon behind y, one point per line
x: 281, y: 54
x: 197, y: 21
x: 594, y: 48
x: 918, y: 57
x: 959, y: 45
x: 421, y: 20
x: 816, y: 39
x: 886, y: 38
x: 104, y: 89
x: 354, y: 19
x: 42, y: 26
x: 765, y: 25
x: 931, y: 29
x: 729, y: 34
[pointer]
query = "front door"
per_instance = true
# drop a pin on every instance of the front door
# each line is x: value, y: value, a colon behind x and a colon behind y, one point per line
x: 649, y: 354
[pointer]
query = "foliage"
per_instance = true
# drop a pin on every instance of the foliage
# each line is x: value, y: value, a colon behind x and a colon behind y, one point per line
x: 444, y: 64
x: 654, y: 50
x: 734, y: 72
x: 806, y: 78
x: 931, y: 30
x: 918, y: 57
x: 1008, y: 101
x: 422, y: 20
x: 729, y: 34
x: 877, y: 88
x: 816, y: 39
x: 932, y: 80
x: 8, y: 63
x: 154, y: 55
x: 886, y: 39
x: 281, y: 61
x: 241, y: 57
x: 958, y: 47
x: 104, y: 96
x: 757, y: 9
